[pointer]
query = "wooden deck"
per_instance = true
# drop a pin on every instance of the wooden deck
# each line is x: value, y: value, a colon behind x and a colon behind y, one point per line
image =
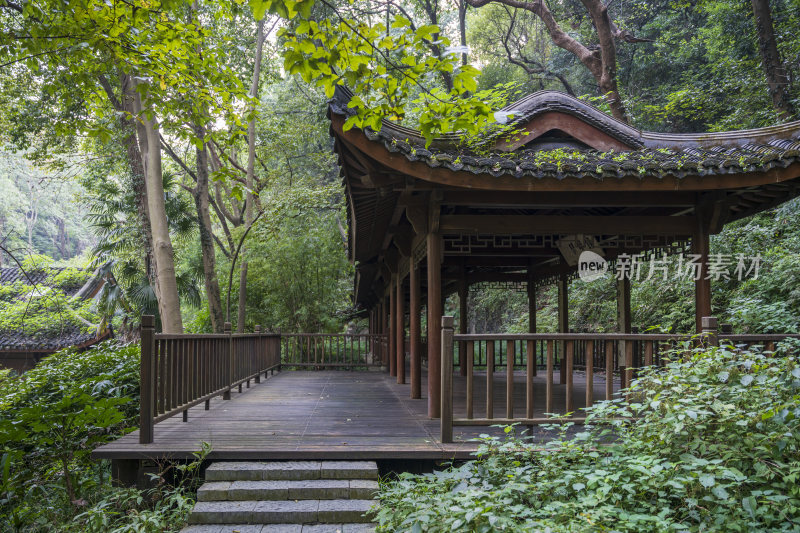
x: 329, y: 415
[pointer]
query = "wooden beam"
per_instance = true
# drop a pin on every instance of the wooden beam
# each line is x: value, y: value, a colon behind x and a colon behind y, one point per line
x: 546, y: 225
x: 532, y: 200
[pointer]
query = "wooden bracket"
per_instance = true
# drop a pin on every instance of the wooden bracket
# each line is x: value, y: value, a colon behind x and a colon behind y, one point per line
x: 417, y: 212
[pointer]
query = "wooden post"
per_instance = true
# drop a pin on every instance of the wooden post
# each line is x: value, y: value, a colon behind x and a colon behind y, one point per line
x: 624, y: 305
x: 490, y: 379
x: 589, y: 373
x: 259, y: 359
x: 563, y: 325
x: 510, y: 355
x: 702, y: 285
x: 470, y: 378
x: 624, y: 325
x: 569, y: 357
x: 610, y: 369
x: 400, y: 299
x: 447, y: 380
x: 147, y: 391
x: 434, y: 249
x: 531, y: 289
x: 393, y: 327
x: 548, y: 402
x: 710, y: 330
x: 227, y: 330
x: 463, y: 321
x: 414, y: 330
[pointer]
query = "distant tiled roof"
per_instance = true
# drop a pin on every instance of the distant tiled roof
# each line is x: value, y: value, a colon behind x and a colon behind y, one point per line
x: 27, y: 339
x: 13, y: 274
x: 69, y: 336
x: 652, y: 155
x: 40, y: 278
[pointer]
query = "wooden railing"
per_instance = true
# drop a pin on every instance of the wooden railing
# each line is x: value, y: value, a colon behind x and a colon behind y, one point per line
x: 324, y: 350
x: 610, y: 354
x: 180, y: 371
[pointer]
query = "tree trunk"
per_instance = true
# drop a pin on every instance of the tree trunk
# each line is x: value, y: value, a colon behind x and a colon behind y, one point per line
x: 251, y: 167
x: 777, y: 78
x: 169, y: 306
x: 462, y: 29
x: 135, y: 162
x: 601, y: 63
x: 202, y: 203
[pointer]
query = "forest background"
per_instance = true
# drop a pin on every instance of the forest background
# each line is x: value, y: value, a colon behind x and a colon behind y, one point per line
x: 185, y: 146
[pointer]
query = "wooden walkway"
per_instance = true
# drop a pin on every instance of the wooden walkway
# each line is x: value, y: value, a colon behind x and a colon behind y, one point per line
x: 329, y: 415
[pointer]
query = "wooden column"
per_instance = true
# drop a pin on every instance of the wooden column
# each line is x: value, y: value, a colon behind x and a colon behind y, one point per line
x: 624, y: 325
x: 624, y: 305
x: 386, y: 330
x: 531, y: 303
x: 463, y: 321
x: 414, y: 329
x: 400, y: 299
x: 434, y: 252
x: 702, y: 285
x: 563, y: 325
x: 392, y: 327
x: 146, y: 373
x: 563, y: 305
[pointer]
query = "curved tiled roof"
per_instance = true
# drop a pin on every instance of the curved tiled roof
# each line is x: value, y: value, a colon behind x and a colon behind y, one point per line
x: 653, y: 155
x: 27, y: 338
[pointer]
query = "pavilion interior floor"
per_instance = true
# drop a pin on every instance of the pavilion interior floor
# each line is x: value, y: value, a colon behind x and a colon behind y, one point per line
x: 337, y: 415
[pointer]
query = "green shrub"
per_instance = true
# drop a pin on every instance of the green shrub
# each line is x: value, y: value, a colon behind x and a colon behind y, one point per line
x: 51, y: 418
x: 716, y: 447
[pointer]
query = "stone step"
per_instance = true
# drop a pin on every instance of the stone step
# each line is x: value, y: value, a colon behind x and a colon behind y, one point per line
x: 281, y: 528
x: 290, y: 470
x: 281, y: 512
x: 304, y: 489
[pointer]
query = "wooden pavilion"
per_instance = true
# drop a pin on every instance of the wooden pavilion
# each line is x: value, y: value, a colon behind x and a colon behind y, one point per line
x: 429, y: 222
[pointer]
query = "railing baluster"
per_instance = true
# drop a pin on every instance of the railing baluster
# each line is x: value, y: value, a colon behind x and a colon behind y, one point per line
x: 470, y: 377
x: 570, y: 354
x: 548, y: 405
x: 628, y: 363
x: 609, y: 369
x: 648, y: 353
x: 530, y: 371
x: 589, y: 372
x: 489, y: 379
x: 510, y: 355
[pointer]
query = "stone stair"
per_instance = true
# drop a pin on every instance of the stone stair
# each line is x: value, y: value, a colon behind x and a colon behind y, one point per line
x: 285, y: 497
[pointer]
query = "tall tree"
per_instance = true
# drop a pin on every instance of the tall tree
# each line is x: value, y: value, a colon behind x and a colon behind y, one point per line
x: 777, y: 76
x: 166, y: 283
x: 251, y: 168
x: 600, y: 61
